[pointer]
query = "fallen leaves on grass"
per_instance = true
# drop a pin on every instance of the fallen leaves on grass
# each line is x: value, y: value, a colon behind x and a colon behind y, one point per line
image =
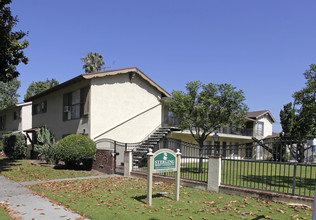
x: 119, y: 195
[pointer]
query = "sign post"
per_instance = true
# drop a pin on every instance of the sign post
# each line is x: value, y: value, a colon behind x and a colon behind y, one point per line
x: 163, y: 160
x: 150, y: 163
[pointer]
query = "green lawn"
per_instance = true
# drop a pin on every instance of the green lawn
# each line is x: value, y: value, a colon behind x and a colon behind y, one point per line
x: 125, y: 198
x: 270, y: 177
x: 22, y: 170
x: 4, y: 215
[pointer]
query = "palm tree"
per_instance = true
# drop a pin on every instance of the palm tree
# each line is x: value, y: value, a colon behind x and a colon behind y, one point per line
x: 93, y: 62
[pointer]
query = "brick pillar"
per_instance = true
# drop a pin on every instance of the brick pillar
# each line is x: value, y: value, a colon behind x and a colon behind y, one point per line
x: 104, y: 161
x: 214, y: 173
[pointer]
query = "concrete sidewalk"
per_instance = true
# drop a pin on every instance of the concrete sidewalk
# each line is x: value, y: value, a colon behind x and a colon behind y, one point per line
x: 24, y: 203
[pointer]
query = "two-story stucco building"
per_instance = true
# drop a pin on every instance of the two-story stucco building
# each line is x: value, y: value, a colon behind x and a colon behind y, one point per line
x: 259, y: 125
x: 16, y: 118
x: 123, y: 105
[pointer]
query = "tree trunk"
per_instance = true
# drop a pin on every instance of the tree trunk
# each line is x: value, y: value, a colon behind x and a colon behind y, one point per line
x: 300, y: 153
x: 201, y: 157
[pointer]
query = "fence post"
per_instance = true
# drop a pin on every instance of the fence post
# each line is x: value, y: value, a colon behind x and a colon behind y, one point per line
x: 214, y: 173
x: 114, y: 155
x: 177, y: 191
x: 128, y: 162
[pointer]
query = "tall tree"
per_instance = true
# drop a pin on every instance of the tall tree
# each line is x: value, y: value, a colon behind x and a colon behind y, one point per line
x: 93, y: 62
x: 8, y: 93
x: 298, y: 119
x: 40, y: 86
x: 206, y: 108
x: 11, y: 46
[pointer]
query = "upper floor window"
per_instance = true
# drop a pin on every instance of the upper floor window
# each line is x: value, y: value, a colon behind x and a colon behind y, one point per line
x: 17, y: 115
x: 2, y: 123
x: 39, y: 108
x: 260, y: 128
x: 75, y: 104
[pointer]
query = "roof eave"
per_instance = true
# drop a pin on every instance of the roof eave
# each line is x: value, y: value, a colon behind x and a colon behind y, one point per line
x: 88, y: 76
x: 55, y: 88
x: 124, y: 71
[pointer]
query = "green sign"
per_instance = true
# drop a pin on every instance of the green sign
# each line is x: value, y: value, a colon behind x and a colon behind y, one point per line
x: 164, y: 161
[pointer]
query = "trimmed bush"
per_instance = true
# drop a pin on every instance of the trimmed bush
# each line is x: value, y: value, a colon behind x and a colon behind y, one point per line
x: 14, y: 145
x: 74, y: 149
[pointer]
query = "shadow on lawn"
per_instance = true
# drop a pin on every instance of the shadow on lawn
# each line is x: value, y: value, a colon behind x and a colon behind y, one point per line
x: 142, y: 199
x: 280, y: 181
x: 192, y: 170
x: 77, y: 168
x: 259, y: 217
x: 6, y: 164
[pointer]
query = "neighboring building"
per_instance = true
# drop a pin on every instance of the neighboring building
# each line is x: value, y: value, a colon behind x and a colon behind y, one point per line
x: 16, y: 118
x: 262, y: 126
x: 259, y: 125
x: 123, y: 105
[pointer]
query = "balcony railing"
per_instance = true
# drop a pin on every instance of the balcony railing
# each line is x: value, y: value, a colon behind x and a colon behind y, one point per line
x: 242, y: 132
x: 172, y: 121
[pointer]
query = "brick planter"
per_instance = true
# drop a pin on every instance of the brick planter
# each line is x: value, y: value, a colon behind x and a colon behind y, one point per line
x: 104, y: 161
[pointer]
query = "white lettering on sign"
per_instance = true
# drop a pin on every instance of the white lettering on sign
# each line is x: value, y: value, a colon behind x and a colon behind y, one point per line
x: 164, y: 162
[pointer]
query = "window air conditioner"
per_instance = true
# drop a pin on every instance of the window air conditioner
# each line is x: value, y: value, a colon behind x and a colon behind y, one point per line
x: 67, y: 108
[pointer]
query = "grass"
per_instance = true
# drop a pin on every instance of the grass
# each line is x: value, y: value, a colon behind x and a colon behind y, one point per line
x: 4, y: 215
x: 23, y: 170
x: 125, y: 198
x: 270, y: 177
x: 257, y: 175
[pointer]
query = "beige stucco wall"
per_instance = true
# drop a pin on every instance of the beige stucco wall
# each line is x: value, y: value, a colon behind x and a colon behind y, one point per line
x: 53, y: 118
x: 122, y: 110
x: 26, y: 115
x: 10, y: 124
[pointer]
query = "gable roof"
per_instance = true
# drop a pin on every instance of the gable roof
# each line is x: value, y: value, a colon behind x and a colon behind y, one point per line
x: 88, y: 76
x: 257, y: 114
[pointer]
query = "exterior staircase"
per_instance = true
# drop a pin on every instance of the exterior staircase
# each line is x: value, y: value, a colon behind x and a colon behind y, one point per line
x: 140, y: 152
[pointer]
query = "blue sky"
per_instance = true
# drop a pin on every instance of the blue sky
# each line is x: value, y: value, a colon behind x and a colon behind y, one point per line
x: 260, y: 46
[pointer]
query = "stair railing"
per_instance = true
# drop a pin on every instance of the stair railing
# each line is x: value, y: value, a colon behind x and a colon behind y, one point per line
x: 151, y: 133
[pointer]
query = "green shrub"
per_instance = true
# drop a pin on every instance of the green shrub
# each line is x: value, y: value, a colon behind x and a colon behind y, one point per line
x: 74, y: 149
x: 1, y: 145
x: 14, y: 145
